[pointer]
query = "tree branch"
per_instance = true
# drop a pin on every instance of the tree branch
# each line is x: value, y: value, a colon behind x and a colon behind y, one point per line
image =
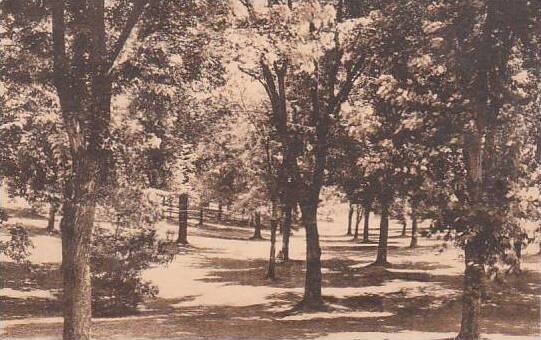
x: 351, y: 77
x: 254, y: 75
x: 126, y: 31
x: 250, y: 8
x: 59, y: 42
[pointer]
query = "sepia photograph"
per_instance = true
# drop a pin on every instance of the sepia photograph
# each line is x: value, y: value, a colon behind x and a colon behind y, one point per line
x: 270, y: 169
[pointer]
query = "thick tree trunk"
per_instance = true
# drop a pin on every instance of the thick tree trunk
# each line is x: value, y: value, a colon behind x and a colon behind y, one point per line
x: 76, y: 227
x: 84, y: 86
x: 366, y: 225
x: 358, y: 215
x: 471, y: 303
x: 350, y: 217
x: 52, y: 217
x: 183, y: 219
x: 381, y: 259
x: 312, y: 286
x: 286, y: 227
x: 474, y: 271
x: 257, y: 226
x: 413, y: 242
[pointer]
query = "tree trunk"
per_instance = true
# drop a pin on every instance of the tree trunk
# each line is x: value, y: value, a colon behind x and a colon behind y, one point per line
x: 201, y: 215
x: 471, y: 300
x: 183, y: 219
x: 220, y: 210
x: 350, y: 217
x: 272, y: 256
x: 381, y: 259
x: 366, y: 225
x: 52, y: 217
x: 518, y: 252
x: 257, y: 226
x: 76, y: 227
x: 413, y: 242
x: 474, y: 271
x: 286, y: 227
x: 312, y: 286
x: 280, y: 225
x: 404, y: 226
x: 83, y: 82
x: 358, y: 215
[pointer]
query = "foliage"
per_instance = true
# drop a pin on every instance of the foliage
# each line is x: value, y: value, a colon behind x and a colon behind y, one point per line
x: 19, y: 246
x: 118, y: 259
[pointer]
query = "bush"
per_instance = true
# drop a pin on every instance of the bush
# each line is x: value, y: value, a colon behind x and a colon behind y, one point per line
x: 18, y: 246
x: 118, y: 260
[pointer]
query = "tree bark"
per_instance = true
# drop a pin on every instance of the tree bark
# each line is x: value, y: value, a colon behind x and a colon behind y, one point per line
x: 286, y: 227
x: 312, y: 286
x: 413, y: 242
x: 518, y: 252
x: 76, y: 227
x: 350, y: 217
x: 471, y: 300
x: 201, y: 215
x: 404, y: 226
x: 366, y: 225
x: 182, y: 219
x: 271, y: 274
x: 52, y: 216
x: 358, y: 214
x: 257, y: 226
x: 83, y: 83
x: 381, y: 259
x: 474, y: 271
x: 220, y: 210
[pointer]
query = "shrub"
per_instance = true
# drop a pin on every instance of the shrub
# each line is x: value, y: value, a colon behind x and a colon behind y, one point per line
x: 18, y: 246
x: 118, y: 260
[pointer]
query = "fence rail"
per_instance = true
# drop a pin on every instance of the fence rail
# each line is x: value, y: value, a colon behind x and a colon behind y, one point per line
x: 177, y: 208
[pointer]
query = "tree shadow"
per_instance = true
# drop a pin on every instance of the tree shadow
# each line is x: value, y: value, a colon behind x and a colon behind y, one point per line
x: 25, y: 279
x: 26, y: 213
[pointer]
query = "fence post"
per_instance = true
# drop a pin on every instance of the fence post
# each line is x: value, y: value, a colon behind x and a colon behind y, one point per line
x: 183, y: 219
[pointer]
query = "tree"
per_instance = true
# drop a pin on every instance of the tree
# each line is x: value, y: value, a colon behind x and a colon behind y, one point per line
x: 317, y: 50
x: 350, y: 217
x: 85, y: 67
x: 483, y: 49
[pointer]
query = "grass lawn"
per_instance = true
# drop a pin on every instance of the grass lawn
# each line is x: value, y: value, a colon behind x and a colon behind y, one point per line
x: 216, y: 289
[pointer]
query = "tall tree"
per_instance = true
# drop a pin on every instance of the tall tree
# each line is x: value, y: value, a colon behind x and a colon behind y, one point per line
x: 80, y: 51
x: 316, y: 52
x: 484, y: 47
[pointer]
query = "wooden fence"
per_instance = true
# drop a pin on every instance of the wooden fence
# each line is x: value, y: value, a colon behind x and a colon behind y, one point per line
x: 178, y: 208
x: 172, y: 207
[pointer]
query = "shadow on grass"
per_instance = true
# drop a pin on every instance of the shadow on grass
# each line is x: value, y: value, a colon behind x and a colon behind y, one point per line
x: 26, y: 213
x: 513, y: 307
x: 22, y: 278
